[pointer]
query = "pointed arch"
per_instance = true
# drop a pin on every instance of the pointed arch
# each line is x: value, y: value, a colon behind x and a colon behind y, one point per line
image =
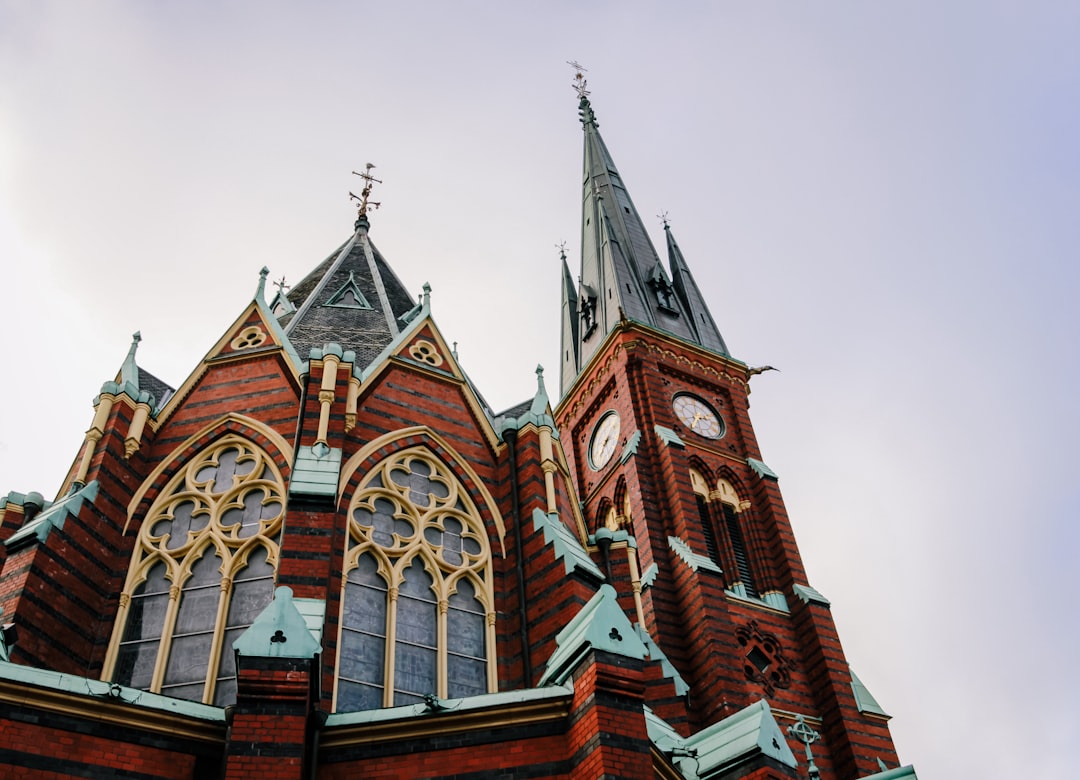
x: 202, y: 568
x: 421, y: 435
x: 246, y: 428
x: 417, y: 608
x: 738, y: 532
x: 700, y: 478
x: 605, y: 513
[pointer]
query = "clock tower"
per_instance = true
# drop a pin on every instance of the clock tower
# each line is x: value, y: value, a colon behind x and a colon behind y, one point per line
x: 655, y: 421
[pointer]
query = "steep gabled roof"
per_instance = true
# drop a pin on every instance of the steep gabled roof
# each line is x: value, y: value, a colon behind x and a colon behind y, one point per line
x: 352, y: 298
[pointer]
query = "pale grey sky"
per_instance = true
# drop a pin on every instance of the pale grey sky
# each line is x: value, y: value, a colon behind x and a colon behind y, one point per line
x: 878, y: 198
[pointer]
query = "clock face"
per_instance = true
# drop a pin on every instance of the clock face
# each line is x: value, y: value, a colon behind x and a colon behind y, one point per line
x: 698, y: 416
x: 604, y: 439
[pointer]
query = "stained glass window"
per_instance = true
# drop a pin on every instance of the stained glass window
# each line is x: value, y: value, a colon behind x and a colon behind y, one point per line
x: 206, y: 549
x: 416, y: 616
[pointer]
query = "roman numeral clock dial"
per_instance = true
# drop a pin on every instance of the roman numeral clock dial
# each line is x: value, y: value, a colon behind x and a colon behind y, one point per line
x: 698, y: 416
x: 604, y: 439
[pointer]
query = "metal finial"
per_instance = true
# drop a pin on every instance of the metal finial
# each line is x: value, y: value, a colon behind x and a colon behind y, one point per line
x: 664, y: 218
x: 561, y: 246
x: 280, y: 284
x: 363, y: 198
x: 579, y: 79
x: 803, y: 733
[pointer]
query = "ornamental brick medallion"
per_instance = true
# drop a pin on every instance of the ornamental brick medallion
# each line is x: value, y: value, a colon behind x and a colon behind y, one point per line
x: 763, y: 660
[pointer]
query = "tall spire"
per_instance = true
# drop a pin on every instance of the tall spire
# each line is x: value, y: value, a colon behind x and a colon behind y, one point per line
x: 621, y: 273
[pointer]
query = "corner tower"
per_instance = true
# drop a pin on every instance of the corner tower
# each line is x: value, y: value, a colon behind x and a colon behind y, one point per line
x: 654, y: 419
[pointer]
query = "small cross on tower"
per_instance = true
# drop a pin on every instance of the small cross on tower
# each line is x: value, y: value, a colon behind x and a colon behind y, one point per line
x: 803, y: 733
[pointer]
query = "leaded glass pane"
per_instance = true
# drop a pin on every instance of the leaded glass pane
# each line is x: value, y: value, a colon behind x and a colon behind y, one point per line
x: 383, y: 523
x: 421, y: 486
x: 362, y: 656
x: 417, y: 634
x: 252, y: 514
x: 184, y: 522
x: 466, y: 619
x: 189, y: 656
x: 252, y: 591
x: 142, y: 632
x: 467, y: 676
x: 466, y: 640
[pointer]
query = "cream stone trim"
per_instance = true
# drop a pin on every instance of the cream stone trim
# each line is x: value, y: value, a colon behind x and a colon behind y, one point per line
x: 416, y: 328
x: 214, y: 355
x: 374, y: 445
x: 278, y: 440
x: 351, y: 398
x: 135, y: 430
x: 635, y: 582
x: 330, y: 365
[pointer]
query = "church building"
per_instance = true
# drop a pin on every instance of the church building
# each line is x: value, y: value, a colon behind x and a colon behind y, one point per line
x: 323, y: 555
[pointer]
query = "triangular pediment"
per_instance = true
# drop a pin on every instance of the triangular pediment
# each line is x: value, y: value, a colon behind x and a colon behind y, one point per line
x: 349, y: 296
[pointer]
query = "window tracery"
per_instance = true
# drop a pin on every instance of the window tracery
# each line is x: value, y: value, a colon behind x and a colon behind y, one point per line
x: 417, y: 613
x: 202, y: 570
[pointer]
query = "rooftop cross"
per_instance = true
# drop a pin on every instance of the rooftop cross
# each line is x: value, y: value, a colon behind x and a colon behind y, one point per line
x: 362, y: 198
x: 579, y: 79
x: 803, y: 733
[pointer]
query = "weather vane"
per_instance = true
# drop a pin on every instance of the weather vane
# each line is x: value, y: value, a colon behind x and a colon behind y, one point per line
x: 561, y: 246
x: 281, y: 286
x: 579, y: 79
x: 362, y: 198
x: 662, y: 216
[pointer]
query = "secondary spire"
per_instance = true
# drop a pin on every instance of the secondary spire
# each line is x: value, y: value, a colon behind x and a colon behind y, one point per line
x: 622, y: 276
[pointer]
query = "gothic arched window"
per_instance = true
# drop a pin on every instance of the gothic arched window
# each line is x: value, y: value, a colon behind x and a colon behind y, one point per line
x: 723, y: 505
x: 202, y: 571
x: 417, y: 615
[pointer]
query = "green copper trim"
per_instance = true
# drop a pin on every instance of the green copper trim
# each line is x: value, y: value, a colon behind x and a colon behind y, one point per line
x: 649, y: 577
x: 631, y: 447
x: 863, y: 698
x: 600, y: 625
x: 900, y: 773
x: 566, y: 545
x: 275, y: 327
x: 691, y: 558
x: 313, y: 611
x: 97, y: 689
x: 462, y: 705
x: 669, y: 437
x: 280, y: 631
x: 656, y: 654
x: 54, y: 517
x: 810, y: 595
x: 714, y: 750
x: 316, y: 474
x: 354, y: 288
x: 539, y: 413
x: 761, y: 469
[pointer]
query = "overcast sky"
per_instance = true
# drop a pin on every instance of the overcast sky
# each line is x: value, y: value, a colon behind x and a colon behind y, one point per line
x: 879, y: 198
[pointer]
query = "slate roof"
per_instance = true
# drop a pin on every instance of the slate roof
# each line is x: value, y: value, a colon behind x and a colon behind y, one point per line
x: 161, y: 391
x: 320, y: 318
